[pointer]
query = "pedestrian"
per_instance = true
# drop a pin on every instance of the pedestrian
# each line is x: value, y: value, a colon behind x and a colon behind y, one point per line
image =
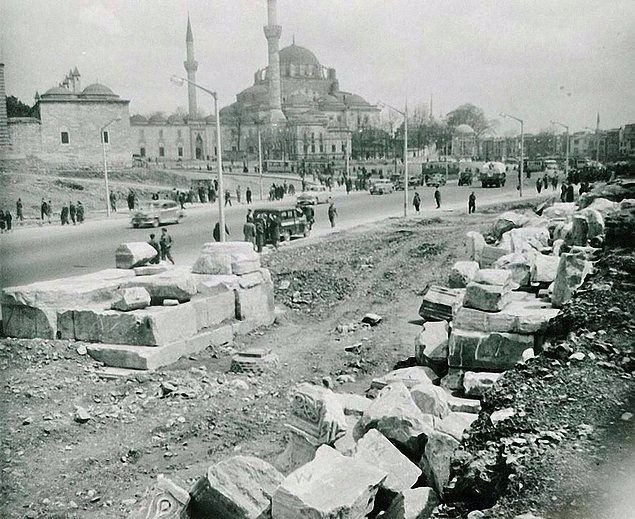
x: 416, y: 201
x: 113, y: 201
x: 238, y: 194
x: 228, y: 198
x: 274, y: 230
x: 563, y: 192
x: 471, y: 203
x: 538, y: 185
x: 43, y: 209
x: 248, y: 195
x: 554, y: 183
x: 130, y: 200
x: 72, y: 211
x: 166, y: 245
x: 216, y: 231
x: 18, y: 209
x: 570, y: 196
x: 437, y: 197
x: 332, y: 213
x: 80, y: 212
x: 249, y: 231
x: 64, y: 215
x: 309, y: 213
x: 250, y: 216
x: 260, y: 233
x: 2, y: 224
x: 49, y: 210
x: 8, y: 219
x: 157, y: 247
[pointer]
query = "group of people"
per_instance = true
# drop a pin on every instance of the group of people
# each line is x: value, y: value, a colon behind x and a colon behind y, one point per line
x: 163, y: 246
x: 543, y: 183
x: 261, y: 229
x: 471, y: 201
x: 278, y: 192
x: 69, y: 213
x: 239, y: 198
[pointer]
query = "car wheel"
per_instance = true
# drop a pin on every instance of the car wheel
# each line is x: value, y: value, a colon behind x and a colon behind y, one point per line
x: 135, y: 225
x: 155, y: 223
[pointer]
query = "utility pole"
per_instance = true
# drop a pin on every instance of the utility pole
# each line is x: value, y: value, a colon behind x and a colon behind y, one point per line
x: 566, y: 166
x: 522, y: 151
x: 103, y: 151
x: 260, y: 161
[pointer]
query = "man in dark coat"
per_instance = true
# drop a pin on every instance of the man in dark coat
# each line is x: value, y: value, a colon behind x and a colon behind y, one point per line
x: 471, y: 203
x: 155, y: 244
x: 437, y: 197
x: 18, y: 209
x: 80, y: 212
x: 166, y: 245
x: 570, y: 196
x: 248, y: 195
x: 64, y: 215
x: 260, y: 233
x: 416, y: 201
x: 332, y: 213
x: 274, y: 230
x: 43, y: 209
x: 216, y: 231
x: 72, y: 212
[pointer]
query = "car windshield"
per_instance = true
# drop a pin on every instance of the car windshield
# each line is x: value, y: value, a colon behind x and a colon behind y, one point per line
x: 152, y: 206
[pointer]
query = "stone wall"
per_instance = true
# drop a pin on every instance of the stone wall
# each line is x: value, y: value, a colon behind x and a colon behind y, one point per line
x: 25, y: 134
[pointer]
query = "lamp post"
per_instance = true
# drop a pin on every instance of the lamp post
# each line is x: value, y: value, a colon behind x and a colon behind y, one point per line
x: 180, y: 81
x: 566, y: 165
x: 522, y: 150
x: 405, y: 152
x: 103, y: 151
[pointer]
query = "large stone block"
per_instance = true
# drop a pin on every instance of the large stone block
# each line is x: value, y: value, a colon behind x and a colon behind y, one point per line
x: 330, y: 486
x: 129, y: 299
x: 572, y: 270
x: 494, y: 277
x: 214, y: 309
x: 256, y: 304
x: 410, y: 377
x: 239, y: 487
x: 489, y: 298
x: 530, y: 316
x: 134, y: 254
x: 595, y: 222
x: 439, y: 303
x: 27, y: 322
x: 455, y: 423
x: 491, y: 253
x: 254, y: 361
x: 487, y: 351
x: 376, y: 450
x: 432, y: 400
x: 218, y: 258
x: 207, y: 284
x: 560, y: 211
x: 431, y: 343
x: 519, y: 266
x: 544, y: 268
x: 176, y: 284
x: 164, y: 500
x: 462, y: 273
x: 580, y: 230
x: 464, y: 405
x: 526, y: 239
x: 508, y: 221
x: 476, y: 384
x: 415, y: 503
x: 395, y: 414
x: 435, y: 462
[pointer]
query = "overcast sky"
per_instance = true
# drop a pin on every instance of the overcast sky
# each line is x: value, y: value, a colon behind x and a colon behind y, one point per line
x: 537, y: 59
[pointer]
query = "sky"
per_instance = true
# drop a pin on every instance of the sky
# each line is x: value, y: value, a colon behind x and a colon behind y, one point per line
x: 537, y: 59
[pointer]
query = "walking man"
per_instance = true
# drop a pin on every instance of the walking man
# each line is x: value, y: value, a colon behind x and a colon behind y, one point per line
x: 72, y: 211
x: 332, y: 213
x: 471, y: 203
x: 248, y: 195
x: 166, y: 245
x: 49, y: 210
x: 80, y: 212
x: 238, y: 194
x: 43, y: 209
x: 249, y: 231
x: 538, y: 185
x: 64, y: 215
x: 437, y: 197
x: 8, y: 219
x: 155, y: 244
x: 228, y: 198
x: 216, y: 231
x: 416, y: 201
x: 113, y: 201
x: 18, y: 209
x: 260, y: 233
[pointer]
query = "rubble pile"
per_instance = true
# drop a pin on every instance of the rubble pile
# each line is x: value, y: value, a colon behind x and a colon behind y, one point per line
x: 145, y: 316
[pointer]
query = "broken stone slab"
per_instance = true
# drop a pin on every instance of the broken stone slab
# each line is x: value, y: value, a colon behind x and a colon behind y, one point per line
x: 431, y: 343
x: 254, y: 361
x: 26, y: 322
x: 475, y: 244
x: 246, y: 266
x: 453, y: 381
x: 353, y: 404
x: 131, y: 299
x: 150, y: 270
x: 487, y: 351
x: 376, y: 450
x: 526, y: 239
x: 572, y: 270
x: 372, y: 319
x: 409, y: 376
x: 439, y: 303
x: 218, y: 258
x: 346, y: 444
x: 251, y: 279
x: 529, y: 316
x: 436, y: 460
x: 476, y: 384
x: 176, y: 283
x: 595, y: 222
x: 414, y: 503
x: 171, y: 302
x: 493, y: 277
x: 431, y: 400
x: 507, y: 221
x: 489, y: 298
x: 518, y: 265
x: 544, y: 268
x: 455, y: 424
x: 462, y: 273
x: 560, y: 211
x: 490, y: 254
x: 151, y: 358
x: 134, y: 254
x: 299, y: 451
x: 256, y: 304
x: 163, y: 500
x: 395, y: 414
x: 464, y: 405
x: 212, y: 310
x: 239, y: 487
x: 213, y: 284
x: 603, y: 206
x: 330, y: 486
x: 580, y: 230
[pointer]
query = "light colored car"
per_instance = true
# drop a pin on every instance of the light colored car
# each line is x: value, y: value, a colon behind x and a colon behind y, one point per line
x: 382, y: 187
x: 158, y: 212
x: 314, y: 194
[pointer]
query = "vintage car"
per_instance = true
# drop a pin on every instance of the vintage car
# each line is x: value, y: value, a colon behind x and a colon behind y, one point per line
x: 292, y: 221
x: 157, y: 212
x: 382, y: 187
x: 313, y: 194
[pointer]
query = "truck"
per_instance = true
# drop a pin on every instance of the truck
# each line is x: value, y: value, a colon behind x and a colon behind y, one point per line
x: 492, y: 174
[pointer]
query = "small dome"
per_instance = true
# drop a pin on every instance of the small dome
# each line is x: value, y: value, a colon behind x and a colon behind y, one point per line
x: 464, y: 129
x: 297, y: 55
x: 157, y: 119
x: 57, y: 91
x: 97, y: 89
x: 176, y: 119
x: 138, y: 119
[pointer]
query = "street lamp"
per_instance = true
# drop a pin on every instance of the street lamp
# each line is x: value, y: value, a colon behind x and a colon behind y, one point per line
x: 522, y: 150
x: 566, y: 165
x: 180, y: 81
x: 405, y: 152
x: 103, y: 151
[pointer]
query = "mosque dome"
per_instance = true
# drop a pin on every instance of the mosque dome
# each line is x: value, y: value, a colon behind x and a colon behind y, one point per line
x: 57, y: 91
x: 138, y: 119
x: 97, y: 89
x: 329, y: 102
x: 176, y: 119
x: 354, y: 100
x: 464, y: 129
x: 296, y: 55
x: 157, y: 119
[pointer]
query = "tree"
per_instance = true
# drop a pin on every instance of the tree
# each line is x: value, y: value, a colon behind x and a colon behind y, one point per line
x: 470, y: 115
x: 16, y: 108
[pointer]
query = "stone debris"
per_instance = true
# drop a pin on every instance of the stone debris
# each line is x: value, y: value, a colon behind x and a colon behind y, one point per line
x: 476, y: 384
x: 502, y: 415
x: 222, y: 258
x: 134, y: 254
x: 414, y: 503
x: 164, y: 500
x: 487, y: 351
x: 435, y: 462
x: 332, y: 485
x: 176, y: 283
x: 408, y: 376
x: 455, y: 424
x: 544, y: 268
x: 131, y: 299
x: 150, y: 270
x: 395, y: 414
x: 254, y: 360
x: 353, y: 404
x: 463, y: 405
x: 431, y: 344
x: 508, y: 221
x: 572, y: 270
x: 487, y: 297
x: 526, y: 240
x: 81, y: 415
x: 475, y: 244
x: 236, y: 488
x: 439, y: 303
x: 170, y: 302
x: 345, y: 444
x: 376, y: 450
x: 518, y: 265
x: 490, y: 255
x: 431, y: 400
x: 372, y: 319
x: 462, y: 273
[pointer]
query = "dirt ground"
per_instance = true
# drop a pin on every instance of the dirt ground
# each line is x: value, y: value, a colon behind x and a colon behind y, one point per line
x: 180, y: 420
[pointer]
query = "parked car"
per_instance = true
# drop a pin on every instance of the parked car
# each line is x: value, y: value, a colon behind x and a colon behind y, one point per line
x: 292, y: 221
x: 158, y: 212
x: 493, y: 174
x: 382, y: 187
x: 313, y: 194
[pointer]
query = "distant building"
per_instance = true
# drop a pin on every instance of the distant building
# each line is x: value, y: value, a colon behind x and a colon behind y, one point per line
x: 464, y: 142
x: 627, y: 141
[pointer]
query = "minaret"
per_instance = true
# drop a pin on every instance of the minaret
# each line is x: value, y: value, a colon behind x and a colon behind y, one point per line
x: 191, y: 65
x: 272, y: 33
x: 4, y: 123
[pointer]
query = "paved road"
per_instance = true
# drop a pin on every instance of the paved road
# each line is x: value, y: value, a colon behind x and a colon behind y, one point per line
x: 42, y: 253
